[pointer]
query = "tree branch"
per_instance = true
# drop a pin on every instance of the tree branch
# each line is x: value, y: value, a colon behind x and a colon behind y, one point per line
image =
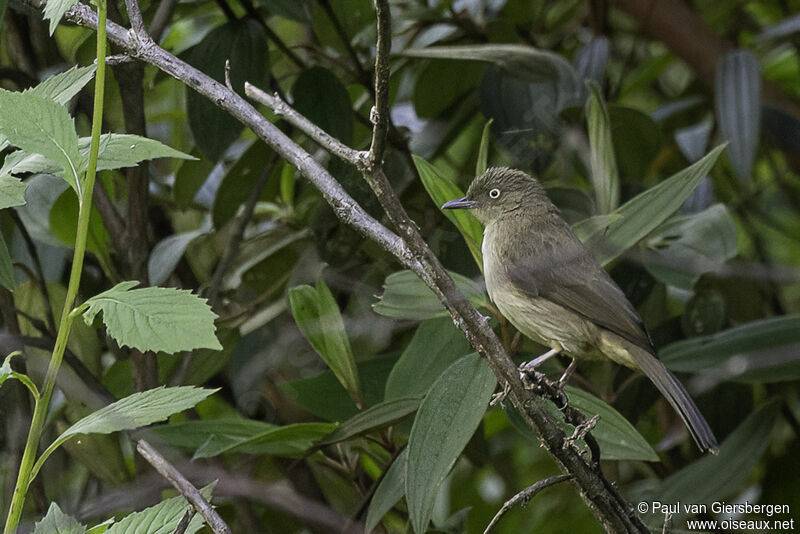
x: 380, y: 112
x: 524, y: 497
x: 183, y: 486
x: 613, y: 512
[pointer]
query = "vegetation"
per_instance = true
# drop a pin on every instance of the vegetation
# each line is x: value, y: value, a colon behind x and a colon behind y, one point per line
x: 223, y: 263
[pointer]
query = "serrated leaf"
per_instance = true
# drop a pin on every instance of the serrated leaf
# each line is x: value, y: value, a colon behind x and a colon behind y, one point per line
x: 57, y: 522
x: 390, y: 490
x: 54, y: 11
x: 244, y: 43
x: 39, y: 125
x: 125, y: 150
x: 616, y: 436
x: 162, y: 518
x: 436, y: 344
x: 764, y: 351
x: 154, y: 318
x: 373, y: 418
x: 405, y: 296
x: 7, y: 278
x: 737, y: 98
x: 715, y: 477
x: 65, y: 85
x: 445, y: 421
x: 605, y: 176
x: 290, y: 441
x: 646, y: 211
x: 318, y: 318
x: 441, y: 190
x: 134, y: 411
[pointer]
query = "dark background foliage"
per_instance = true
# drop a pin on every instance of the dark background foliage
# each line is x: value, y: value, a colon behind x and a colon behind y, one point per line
x: 716, y: 285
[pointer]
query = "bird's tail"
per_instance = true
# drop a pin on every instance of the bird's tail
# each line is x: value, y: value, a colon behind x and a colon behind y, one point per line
x: 676, y: 394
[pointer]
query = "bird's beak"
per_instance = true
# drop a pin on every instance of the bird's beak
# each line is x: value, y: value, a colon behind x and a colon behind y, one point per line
x: 462, y: 202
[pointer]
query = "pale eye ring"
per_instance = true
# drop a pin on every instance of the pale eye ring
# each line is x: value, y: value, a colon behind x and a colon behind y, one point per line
x: 494, y: 193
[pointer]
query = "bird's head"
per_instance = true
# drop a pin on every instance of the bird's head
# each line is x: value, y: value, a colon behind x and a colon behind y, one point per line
x: 500, y: 191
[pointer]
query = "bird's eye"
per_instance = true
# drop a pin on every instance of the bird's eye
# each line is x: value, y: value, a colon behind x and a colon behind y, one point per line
x: 494, y: 193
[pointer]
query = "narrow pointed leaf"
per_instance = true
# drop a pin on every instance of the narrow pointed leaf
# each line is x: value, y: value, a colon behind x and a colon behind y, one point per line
x: 39, y: 125
x: 605, y: 176
x: 373, y: 418
x: 318, y: 318
x: 737, y: 95
x: 391, y: 489
x: 483, y: 150
x: 291, y: 441
x: 7, y: 278
x: 444, y: 424
x: 646, y: 211
x: 154, y: 318
x: 405, y: 296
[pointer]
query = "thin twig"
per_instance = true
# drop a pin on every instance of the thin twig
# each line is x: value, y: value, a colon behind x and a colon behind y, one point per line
x: 184, y: 522
x: 168, y: 471
x: 380, y: 112
x: 135, y: 16
x: 524, y: 497
x: 161, y: 18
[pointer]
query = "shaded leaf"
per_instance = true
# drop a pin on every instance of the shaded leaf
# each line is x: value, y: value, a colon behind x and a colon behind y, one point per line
x: 373, y: 418
x: 162, y: 518
x: 323, y: 99
x: 154, y: 318
x: 290, y: 441
x: 57, y: 522
x: 737, y: 98
x: 482, y: 162
x: 244, y: 43
x: 445, y: 421
x: 637, y: 140
x: 391, y: 489
x: 7, y: 278
x: 436, y: 344
x: 168, y: 252
x: 591, y: 59
x: 318, y: 318
x: 64, y: 224
x: 643, y: 213
x: 441, y: 190
x: 605, y: 176
x: 65, y: 85
x: 239, y: 181
x: 39, y: 125
x: 12, y: 191
x: 441, y: 85
x: 405, y: 296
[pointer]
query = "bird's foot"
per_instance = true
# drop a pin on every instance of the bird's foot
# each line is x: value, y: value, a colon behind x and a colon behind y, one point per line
x: 567, y: 374
x: 581, y: 430
x: 500, y: 396
x: 538, y: 382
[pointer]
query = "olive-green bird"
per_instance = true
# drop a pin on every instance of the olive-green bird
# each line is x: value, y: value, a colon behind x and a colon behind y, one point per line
x: 547, y: 284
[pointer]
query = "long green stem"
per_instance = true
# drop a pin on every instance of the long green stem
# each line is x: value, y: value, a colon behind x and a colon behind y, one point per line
x: 65, y: 324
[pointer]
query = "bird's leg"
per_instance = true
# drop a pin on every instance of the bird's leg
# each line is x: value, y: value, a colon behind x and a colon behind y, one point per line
x: 567, y: 373
x: 500, y: 396
x: 534, y: 363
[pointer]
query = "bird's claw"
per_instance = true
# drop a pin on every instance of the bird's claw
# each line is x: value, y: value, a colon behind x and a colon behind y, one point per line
x: 581, y: 430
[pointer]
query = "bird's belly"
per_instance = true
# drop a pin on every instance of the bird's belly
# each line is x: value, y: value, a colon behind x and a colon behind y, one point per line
x: 549, y: 324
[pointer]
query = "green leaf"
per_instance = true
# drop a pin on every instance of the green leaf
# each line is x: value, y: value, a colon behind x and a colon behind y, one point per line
x: 126, y: 150
x: 737, y: 98
x: 436, y: 344
x: 637, y: 140
x: 646, y: 211
x: 617, y: 438
x: 442, y: 84
x: 7, y: 372
x: 318, y: 318
x: 168, y: 252
x: 162, y: 518
x: 190, y: 435
x: 405, y: 296
x: 441, y: 190
x: 323, y: 99
x: 239, y: 181
x: 760, y: 351
x: 134, y: 411
x: 57, y: 522
x: 391, y: 489
x: 684, y: 248
x: 290, y: 441
x: 715, y: 477
x: 445, y: 421
x: 65, y: 85
x: 483, y: 150
x: 605, y: 176
x: 154, y: 318
x: 244, y: 43
x: 54, y: 11
x: 7, y: 278
x: 373, y: 418
x: 64, y: 224
x: 521, y: 61
x: 12, y: 191
x: 39, y: 125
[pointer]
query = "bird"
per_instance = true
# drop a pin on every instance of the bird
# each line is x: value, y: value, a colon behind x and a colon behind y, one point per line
x: 547, y: 284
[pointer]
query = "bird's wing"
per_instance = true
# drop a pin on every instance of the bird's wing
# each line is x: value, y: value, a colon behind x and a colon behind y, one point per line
x: 567, y: 275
